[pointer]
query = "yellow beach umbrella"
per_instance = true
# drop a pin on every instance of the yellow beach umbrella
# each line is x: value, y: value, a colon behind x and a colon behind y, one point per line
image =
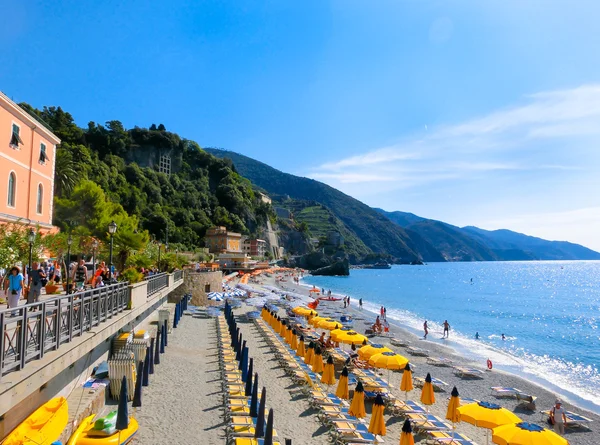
x: 388, y: 360
x: 328, y: 377
x: 317, y: 361
x: 525, y: 433
x: 329, y: 324
x: 309, y: 353
x: 294, y: 340
x: 451, y: 413
x: 486, y: 415
x: 407, y: 382
x: 377, y: 423
x: 311, y: 314
x: 352, y: 338
x: 406, y: 436
x: 336, y: 333
x: 342, y: 388
x: 282, y: 329
x: 366, y: 352
x: 300, y: 350
x: 315, y: 320
x: 297, y: 310
x: 357, y: 407
x: 427, y: 395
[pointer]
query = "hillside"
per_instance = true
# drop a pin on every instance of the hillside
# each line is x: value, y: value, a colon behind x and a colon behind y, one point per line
x: 450, y: 241
x: 503, y: 241
x: 475, y: 244
x: 377, y: 232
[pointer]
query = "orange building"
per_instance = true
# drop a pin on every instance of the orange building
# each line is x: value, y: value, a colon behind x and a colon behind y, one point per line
x: 27, y: 157
x: 219, y: 240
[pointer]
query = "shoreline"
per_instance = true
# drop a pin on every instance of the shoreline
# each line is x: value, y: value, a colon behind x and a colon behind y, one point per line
x: 498, y: 377
x: 462, y: 351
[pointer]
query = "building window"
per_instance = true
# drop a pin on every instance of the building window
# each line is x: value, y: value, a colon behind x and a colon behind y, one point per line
x: 40, y: 198
x: 43, y: 155
x: 164, y: 164
x: 207, y: 288
x: 12, y: 189
x: 15, y: 139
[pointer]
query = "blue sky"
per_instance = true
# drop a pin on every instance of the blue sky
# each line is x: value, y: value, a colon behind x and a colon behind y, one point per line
x: 471, y: 112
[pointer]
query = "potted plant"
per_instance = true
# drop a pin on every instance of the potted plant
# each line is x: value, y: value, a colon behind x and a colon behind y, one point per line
x: 51, y: 288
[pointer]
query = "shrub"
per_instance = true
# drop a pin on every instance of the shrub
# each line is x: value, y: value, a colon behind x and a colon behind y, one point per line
x: 132, y: 275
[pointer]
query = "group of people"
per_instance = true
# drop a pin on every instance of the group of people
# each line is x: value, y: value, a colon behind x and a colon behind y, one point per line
x: 380, y: 326
x: 346, y: 302
x: 446, y: 329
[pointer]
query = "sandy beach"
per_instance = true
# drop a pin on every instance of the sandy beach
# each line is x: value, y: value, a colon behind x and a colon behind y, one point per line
x: 184, y: 402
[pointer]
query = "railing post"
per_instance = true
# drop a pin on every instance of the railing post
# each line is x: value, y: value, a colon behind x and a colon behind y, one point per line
x: 22, y: 348
x: 2, y: 334
x: 42, y: 330
x: 57, y: 323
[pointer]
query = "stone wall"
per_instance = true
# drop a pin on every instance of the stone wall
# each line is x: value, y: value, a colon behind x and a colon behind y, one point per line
x: 196, y: 283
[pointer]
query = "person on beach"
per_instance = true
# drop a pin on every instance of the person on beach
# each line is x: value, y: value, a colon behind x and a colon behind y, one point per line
x: 348, y: 298
x: 13, y: 287
x: 377, y: 326
x: 384, y: 313
x: 381, y: 312
x: 360, y: 304
x: 446, y: 329
x: 476, y: 335
x: 558, y: 417
x: 425, y: 330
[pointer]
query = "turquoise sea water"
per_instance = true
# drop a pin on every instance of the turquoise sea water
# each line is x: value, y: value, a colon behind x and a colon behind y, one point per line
x: 549, y: 312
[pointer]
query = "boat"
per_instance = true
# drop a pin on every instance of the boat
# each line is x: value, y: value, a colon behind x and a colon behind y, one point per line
x: 82, y: 435
x: 43, y: 427
x: 378, y: 266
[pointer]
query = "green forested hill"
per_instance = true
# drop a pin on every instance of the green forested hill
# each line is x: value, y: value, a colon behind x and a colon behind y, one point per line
x: 377, y: 232
x: 200, y: 191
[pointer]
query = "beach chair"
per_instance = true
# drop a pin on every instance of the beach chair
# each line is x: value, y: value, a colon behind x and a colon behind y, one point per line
x: 468, y: 373
x: 438, y: 385
x: 527, y: 401
x: 251, y: 441
x: 439, y: 361
x: 329, y: 414
x: 425, y: 423
x: 412, y: 350
x: 398, y: 342
x: 448, y: 438
x: 574, y: 420
x: 404, y: 407
x: 347, y: 436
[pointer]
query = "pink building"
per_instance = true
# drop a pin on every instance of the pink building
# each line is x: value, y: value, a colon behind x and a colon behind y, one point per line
x: 27, y: 156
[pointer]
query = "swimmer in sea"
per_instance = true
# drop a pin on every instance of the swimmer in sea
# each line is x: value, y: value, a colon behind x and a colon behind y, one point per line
x: 476, y: 335
x: 503, y: 337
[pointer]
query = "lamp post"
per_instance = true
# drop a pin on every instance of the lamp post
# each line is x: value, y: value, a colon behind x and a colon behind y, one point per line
x: 158, y: 265
x: 68, y: 262
x: 112, y: 229
x: 31, y: 241
x: 94, y: 249
x: 166, y: 239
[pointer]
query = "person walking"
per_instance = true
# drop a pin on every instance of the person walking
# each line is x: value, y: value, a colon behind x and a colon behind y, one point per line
x: 384, y: 313
x: 425, y: 329
x: 13, y: 287
x: 381, y: 312
x: 558, y: 417
x: 37, y: 280
x: 80, y: 275
x: 57, y: 272
x: 360, y: 304
x: 446, y: 329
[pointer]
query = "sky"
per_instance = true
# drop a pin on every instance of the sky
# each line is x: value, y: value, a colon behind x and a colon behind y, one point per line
x: 470, y: 112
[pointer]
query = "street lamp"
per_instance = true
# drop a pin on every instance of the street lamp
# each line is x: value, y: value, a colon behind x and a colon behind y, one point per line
x: 68, y: 262
x: 94, y: 249
x: 167, y: 239
x: 159, y: 246
x: 31, y: 240
x: 112, y: 229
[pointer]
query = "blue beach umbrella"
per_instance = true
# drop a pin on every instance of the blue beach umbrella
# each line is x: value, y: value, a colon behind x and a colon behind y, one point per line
x: 244, y: 364
x: 248, y: 389
x: 254, y: 398
x: 157, y: 348
x: 122, y: 413
x: 165, y: 334
x: 162, y: 338
x: 137, y: 395
x: 269, y: 432
x: 146, y: 371
x: 260, y: 419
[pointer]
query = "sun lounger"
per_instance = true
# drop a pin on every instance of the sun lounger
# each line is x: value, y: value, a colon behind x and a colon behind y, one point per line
x: 468, y: 373
x: 438, y: 385
x: 428, y: 422
x: 250, y: 441
x: 448, y: 438
x: 527, y: 400
x: 574, y: 420
x: 354, y: 438
x: 417, y: 351
x: 439, y: 361
x: 399, y: 342
x: 403, y: 407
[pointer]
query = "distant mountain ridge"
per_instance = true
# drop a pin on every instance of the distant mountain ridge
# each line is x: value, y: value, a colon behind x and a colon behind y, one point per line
x: 402, y: 235
x: 474, y: 244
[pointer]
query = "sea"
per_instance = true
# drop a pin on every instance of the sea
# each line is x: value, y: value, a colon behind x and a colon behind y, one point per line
x: 548, y: 311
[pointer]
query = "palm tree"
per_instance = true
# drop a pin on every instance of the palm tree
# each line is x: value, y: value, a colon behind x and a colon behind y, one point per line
x: 64, y: 174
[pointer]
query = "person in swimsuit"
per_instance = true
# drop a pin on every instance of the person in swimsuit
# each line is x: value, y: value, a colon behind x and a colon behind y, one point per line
x: 425, y: 329
x: 446, y: 329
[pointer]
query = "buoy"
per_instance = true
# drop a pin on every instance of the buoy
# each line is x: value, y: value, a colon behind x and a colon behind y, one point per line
x: 489, y: 364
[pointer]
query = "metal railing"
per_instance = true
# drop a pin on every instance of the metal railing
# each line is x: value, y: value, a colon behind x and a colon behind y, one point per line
x: 156, y: 283
x: 177, y: 275
x: 28, y: 332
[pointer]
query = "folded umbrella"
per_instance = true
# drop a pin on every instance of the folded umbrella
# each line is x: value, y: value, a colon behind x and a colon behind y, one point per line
x: 342, y: 389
